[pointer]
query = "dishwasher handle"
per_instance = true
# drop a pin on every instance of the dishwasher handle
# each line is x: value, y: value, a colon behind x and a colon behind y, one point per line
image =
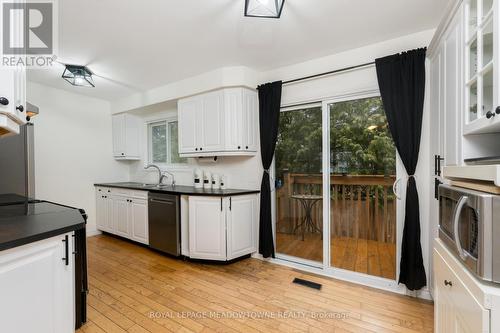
x: 168, y: 202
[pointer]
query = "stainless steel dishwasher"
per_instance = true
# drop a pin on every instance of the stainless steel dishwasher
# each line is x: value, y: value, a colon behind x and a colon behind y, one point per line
x: 164, y: 223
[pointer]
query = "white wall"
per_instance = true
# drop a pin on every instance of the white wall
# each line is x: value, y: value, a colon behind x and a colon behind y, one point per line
x: 242, y: 172
x: 73, y: 148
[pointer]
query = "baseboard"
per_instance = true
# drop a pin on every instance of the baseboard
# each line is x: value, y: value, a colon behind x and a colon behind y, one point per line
x: 91, y: 233
x: 357, y: 278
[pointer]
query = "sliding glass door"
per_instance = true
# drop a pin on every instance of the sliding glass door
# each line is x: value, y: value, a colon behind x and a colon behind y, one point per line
x: 299, y: 183
x: 335, y: 167
x: 362, y: 173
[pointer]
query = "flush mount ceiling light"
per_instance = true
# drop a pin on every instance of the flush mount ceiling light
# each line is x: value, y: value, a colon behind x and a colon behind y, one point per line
x: 78, y: 76
x: 264, y: 8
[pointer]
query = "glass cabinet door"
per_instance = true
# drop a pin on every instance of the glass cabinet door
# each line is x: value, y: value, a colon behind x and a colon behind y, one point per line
x: 479, y: 62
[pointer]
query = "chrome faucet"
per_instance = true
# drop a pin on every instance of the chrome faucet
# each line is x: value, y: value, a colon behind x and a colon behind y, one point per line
x: 171, y: 175
x: 161, y: 176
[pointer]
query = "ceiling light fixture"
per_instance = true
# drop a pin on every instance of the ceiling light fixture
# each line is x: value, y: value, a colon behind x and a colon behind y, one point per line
x: 264, y: 8
x: 78, y: 76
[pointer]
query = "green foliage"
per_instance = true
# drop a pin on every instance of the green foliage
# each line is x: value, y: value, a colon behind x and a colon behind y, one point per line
x: 360, y: 140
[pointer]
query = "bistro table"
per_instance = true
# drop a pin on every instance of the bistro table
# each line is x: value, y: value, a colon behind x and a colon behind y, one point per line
x: 308, y: 201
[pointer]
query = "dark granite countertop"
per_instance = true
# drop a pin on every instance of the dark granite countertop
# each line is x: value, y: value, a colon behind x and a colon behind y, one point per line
x: 178, y: 189
x: 22, y: 224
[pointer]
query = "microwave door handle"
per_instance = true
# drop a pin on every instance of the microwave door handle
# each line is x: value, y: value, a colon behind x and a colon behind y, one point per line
x: 456, y: 220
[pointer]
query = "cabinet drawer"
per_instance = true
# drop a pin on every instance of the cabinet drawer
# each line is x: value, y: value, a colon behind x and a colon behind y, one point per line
x: 125, y: 192
x: 469, y: 314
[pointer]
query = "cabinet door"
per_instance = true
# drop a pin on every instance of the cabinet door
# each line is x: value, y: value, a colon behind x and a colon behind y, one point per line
x: 119, y: 132
x: 101, y: 211
x: 456, y: 309
x: 453, y: 93
x: 250, y: 119
x: 189, y: 112
x: 20, y: 94
x: 233, y: 112
x: 241, y: 226
x: 138, y: 214
x: 132, y: 136
x: 212, y: 139
x: 35, y: 280
x: 104, y: 211
x: 207, y: 228
x: 121, y: 225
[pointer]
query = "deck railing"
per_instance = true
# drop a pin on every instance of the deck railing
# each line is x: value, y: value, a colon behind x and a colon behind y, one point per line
x: 361, y: 206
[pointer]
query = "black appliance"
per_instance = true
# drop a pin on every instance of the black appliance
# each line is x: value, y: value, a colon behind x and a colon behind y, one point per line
x: 164, y: 223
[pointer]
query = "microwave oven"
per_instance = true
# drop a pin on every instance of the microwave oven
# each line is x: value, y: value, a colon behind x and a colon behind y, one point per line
x: 469, y: 225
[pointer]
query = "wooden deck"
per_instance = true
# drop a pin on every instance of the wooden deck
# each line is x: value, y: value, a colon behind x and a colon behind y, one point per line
x: 133, y: 289
x: 359, y: 255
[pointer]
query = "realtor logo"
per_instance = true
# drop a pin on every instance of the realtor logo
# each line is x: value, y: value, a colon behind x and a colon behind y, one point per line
x: 28, y: 32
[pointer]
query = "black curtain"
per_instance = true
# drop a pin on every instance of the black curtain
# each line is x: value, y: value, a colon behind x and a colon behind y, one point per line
x: 401, y: 79
x: 269, y: 115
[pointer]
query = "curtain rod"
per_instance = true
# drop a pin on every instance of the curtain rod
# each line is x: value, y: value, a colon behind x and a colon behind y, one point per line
x: 328, y: 73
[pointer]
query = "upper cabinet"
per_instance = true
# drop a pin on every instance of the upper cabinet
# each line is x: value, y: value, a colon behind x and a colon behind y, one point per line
x: 126, y: 136
x: 12, y: 99
x: 219, y: 123
x: 446, y: 94
x: 481, y: 37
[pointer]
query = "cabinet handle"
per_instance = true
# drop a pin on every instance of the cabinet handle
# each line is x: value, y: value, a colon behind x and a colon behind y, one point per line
x: 448, y: 283
x: 497, y: 110
x: 490, y: 115
x: 221, y: 204
x: 74, y: 244
x: 20, y: 108
x: 123, y: 154
x: 246, y: 147
x: 4, y: 101
x: 201, y: 149
x: 239, y: 147
x: 230, y: 203
x: 66, y: 250
x: 196, y: 149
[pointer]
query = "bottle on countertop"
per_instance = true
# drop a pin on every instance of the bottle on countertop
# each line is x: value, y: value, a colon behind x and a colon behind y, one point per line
x: 198, y: 178
x: 207, y: 180
x: 223, y: 182
x: 215, y: 182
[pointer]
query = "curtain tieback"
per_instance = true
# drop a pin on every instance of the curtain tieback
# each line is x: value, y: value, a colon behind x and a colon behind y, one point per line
x: 412, y: 176
x: 267, y: 171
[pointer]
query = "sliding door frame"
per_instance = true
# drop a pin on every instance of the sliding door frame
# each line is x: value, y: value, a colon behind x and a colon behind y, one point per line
x: 325, y: 268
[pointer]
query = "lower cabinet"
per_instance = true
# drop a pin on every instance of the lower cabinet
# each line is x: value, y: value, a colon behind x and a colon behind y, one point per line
x: 456, y: 308
x: 207, y: 228
x: 123, y: 213
x: 37, y: 287
x: 222, y: 228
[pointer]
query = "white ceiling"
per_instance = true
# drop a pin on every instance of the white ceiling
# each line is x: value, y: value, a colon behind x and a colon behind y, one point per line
x: 137, y: 45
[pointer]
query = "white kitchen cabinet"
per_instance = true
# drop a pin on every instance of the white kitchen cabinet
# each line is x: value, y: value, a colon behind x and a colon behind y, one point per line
x: 219, y: 123
x: 222, y: 228
x: 121, y: 218
x: 212, y: 122
x: 36, y: 282
x: 126, y: 136
x: 190, y: 132
x: 13, y: 99
x: 138, y: 215
x: 123, y: 212
x: 104, y: 210
x: 481, y: 72
x: 207, y: 228
x: 459, y: 302
x: 452, y: 90
x: 241, y: 226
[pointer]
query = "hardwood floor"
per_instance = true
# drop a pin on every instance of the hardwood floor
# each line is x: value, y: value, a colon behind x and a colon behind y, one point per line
x: 359, y: 255
x: 133, y: 289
